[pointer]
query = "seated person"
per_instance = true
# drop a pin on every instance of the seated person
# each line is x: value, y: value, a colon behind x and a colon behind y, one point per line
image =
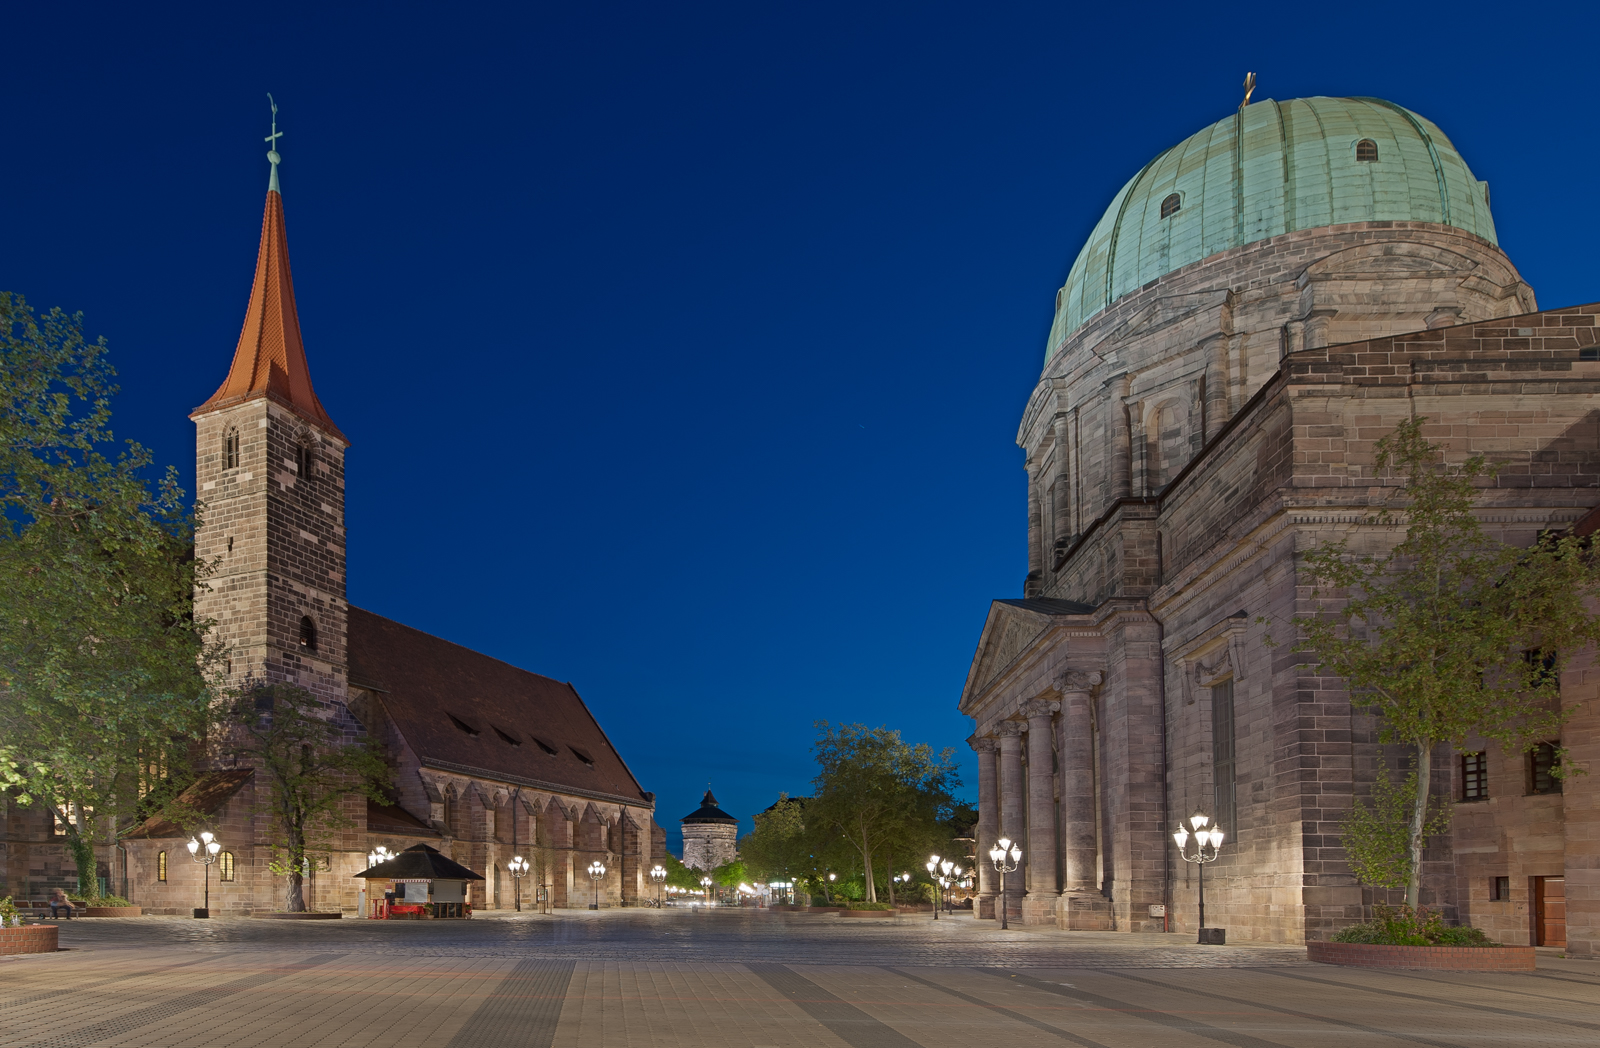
x: 60, y: 902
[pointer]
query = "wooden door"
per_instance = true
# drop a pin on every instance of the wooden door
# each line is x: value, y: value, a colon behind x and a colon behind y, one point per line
x: 1549, y: 911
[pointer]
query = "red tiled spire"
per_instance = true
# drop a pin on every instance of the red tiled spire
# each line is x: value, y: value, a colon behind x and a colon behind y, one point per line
x: 271, y: 359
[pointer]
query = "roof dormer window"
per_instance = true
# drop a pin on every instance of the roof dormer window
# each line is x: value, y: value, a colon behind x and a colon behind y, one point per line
x: 1366, y: 151
x: 1171, y: 205
x: 463, y: 725
x: 584, y: 757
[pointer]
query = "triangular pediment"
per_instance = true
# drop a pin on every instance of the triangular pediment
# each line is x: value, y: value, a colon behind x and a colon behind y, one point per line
x: 1011, y: 631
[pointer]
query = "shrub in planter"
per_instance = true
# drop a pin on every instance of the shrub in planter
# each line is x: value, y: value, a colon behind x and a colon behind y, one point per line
x: 870, y: 906
x: 1403, y: 926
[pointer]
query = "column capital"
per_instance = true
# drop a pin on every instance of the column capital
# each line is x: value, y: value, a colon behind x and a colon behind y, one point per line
x: 1039, y: 708
x: 1078, y: 680
x: 981, y: 743
x: 1010, y: 729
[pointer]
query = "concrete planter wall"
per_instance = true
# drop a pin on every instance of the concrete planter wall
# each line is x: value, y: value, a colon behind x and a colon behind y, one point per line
x: 309, y: 916
x: 1436, y: 958
x: 869, y: 913
x: 113, y: 911
x: 30, y: 938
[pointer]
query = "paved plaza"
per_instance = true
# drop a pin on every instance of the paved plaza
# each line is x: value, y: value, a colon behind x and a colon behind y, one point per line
x: 746, y: 979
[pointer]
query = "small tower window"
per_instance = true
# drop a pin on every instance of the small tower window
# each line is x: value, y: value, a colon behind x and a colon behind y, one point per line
x: 1171, y: 205
x: 1367, y: 151
x: 161, y: 866
x: 302, y: 460
x: 308, y: 634
x: 230, y: 450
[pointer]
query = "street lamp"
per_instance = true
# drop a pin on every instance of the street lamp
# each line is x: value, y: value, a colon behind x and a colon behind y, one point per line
x: 1002, y: 850
x: 658, y: 876
x: 705, y: 884
x: 597, y: 870
x: 1204, y: 838
x: 375, y: 856
x: 933, y: 874
x: 204, y: 851
x: 519, y: 868
x: 825, y: 892
x: 945, y: 866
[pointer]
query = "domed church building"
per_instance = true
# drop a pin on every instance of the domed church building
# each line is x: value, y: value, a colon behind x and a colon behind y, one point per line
x: 1257, y: 306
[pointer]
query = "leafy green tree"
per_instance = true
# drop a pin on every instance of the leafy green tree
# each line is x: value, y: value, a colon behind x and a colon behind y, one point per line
x: 730, y: 874
x: 780, y: 846
x: 679, y: 875
x: 1377, y: 834
x: 1435, y: 635
x: 879, y: 794
x: 101, y: 657
x: 305, y: 768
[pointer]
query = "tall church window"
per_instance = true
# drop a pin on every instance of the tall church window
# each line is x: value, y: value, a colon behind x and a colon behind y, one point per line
x: 1367, y: 151
x: 161, y: 866
x: 1171, y: 205
x: 1223, y: 764
x: 230, y: 450
x: 302, y: 460
x: 308, y: 634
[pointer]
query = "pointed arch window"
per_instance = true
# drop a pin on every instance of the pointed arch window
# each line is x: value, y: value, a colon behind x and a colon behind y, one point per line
x: 230, y: 450
x: 308, y: 634
x: 1367, y: 151
x: 1171, y: 205
x: 161, y: 866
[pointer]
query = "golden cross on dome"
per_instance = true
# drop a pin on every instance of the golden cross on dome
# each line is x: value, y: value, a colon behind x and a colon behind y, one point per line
x: 1249, y: 89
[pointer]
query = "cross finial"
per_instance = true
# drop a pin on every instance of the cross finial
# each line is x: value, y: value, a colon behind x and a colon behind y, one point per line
x: 1249, y: 89
x: 272, y: 146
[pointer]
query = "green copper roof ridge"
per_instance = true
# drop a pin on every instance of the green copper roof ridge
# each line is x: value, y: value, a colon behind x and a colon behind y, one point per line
x: 1116, y: 227
x: 1427, y: 140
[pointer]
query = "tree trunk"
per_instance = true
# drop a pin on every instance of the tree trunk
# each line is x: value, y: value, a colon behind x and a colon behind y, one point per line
x: 1419, y: 821
x: 888, y: 859
x: 866, y: 862
x: 296, y: 900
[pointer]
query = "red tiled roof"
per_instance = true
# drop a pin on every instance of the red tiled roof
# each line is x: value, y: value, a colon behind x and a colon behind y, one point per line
x: 270, y: 360
x: 207, y: 796
x: 452, y: 704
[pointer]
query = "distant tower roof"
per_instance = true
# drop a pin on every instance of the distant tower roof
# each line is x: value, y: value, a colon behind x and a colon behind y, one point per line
x: 270, y: 360
x: 708, y: 812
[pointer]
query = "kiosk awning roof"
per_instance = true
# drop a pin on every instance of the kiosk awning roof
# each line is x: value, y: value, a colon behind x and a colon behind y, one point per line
x: 420, y: 862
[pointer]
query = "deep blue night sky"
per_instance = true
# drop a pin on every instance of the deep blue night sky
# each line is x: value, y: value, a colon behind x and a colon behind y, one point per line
x: 683, y: 346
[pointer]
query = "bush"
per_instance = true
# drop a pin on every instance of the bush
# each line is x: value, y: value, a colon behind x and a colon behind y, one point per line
x: 103, y: 900
x: 1401, y: 926
x: 870, y: 906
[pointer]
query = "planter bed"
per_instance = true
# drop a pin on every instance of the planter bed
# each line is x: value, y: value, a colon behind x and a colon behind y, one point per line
x: 276, y: 916
x: 113, y: 911
x: 1435, y: 958
x: 869, y: 913
x: 30, y: 938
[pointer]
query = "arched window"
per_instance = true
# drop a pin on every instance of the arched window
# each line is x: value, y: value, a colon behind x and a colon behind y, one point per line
x: 308, y: 634
x: 302, y: 460
x: 1170, y: 206
x: 161, y: 866
x: 1367, y: 151
x: 230, y: 450
x: 225, y: 866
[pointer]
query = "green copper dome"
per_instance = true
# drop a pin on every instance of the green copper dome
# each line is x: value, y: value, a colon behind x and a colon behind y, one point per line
x: 1272, y: 168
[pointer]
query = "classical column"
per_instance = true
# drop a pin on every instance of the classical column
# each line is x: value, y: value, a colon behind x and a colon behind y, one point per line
x: 988, y: 824
x: 1034, y: 582
x: 1082, y: 907
x: 1040, y: 905
x: 1011, y: 815
x: 1063, y: 500
x: 1121, y: 438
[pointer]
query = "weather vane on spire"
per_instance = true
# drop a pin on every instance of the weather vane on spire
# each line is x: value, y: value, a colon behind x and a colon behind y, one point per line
x: 1249, y: 89
x: 272, y: 144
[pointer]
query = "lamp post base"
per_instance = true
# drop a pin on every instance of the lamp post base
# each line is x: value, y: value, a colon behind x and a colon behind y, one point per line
x: 201, y: 912
x: 594, y: 906
x: 1213, y: 936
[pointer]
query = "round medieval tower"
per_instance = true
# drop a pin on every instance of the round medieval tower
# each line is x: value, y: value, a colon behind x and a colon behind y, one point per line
x: 710, y: 836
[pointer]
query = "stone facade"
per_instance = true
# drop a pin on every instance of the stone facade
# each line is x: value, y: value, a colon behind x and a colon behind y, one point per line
x: 710, y: 836
x: 1182, y: 447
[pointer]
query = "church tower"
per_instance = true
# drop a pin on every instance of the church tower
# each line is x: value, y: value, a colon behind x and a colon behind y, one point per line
x: 269, y: 469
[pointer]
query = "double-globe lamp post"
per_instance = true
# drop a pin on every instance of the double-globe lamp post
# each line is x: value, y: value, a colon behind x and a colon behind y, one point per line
x: 1204, y: 838
x: 374, y: 857
x: 705, y: 883
x: 939, y: 872
x: 998, y: 855
x: 519, y: 869
x: 597, y: 871
x: 658, y: 877
x: 204, y: 851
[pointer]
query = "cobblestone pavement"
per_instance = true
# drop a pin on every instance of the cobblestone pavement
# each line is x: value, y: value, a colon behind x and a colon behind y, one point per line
x: 676, y: 978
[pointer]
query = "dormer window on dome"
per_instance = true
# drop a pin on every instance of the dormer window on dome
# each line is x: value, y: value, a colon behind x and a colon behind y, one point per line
x: 1171, y: 205
x: 1367, y: 151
